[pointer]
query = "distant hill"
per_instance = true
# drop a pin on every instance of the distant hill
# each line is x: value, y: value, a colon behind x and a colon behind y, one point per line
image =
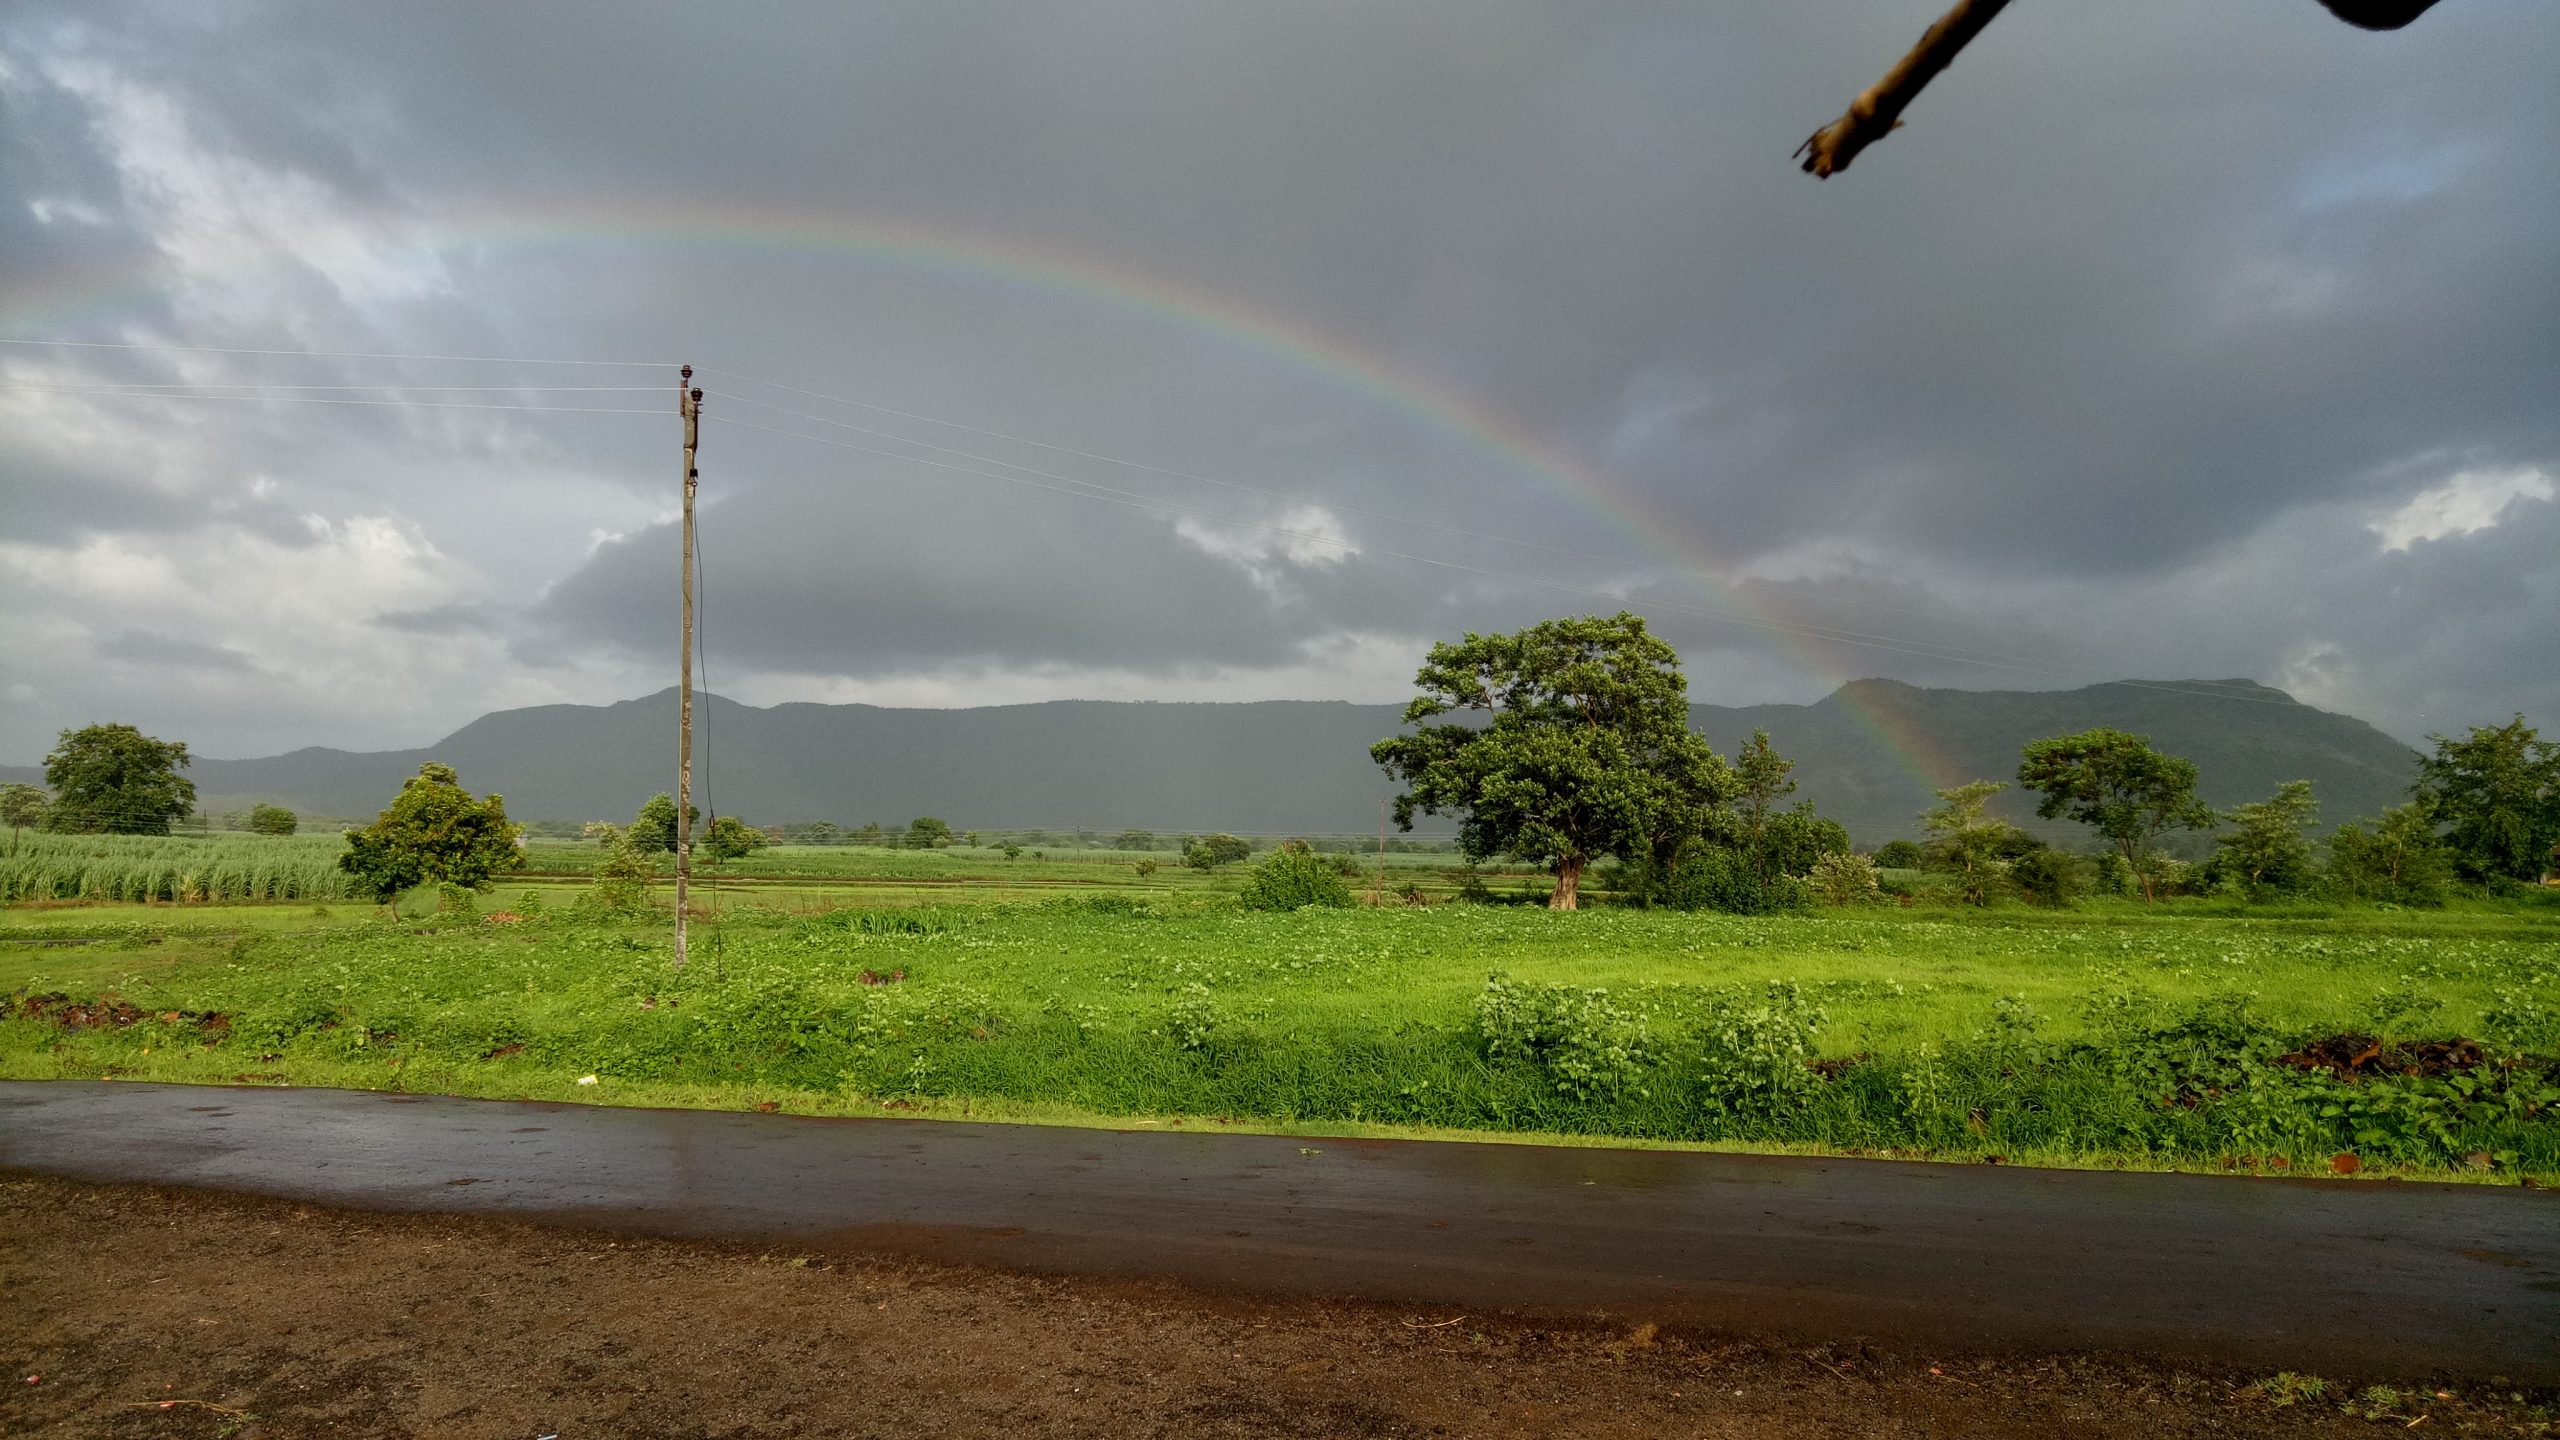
x: 1868, y: 755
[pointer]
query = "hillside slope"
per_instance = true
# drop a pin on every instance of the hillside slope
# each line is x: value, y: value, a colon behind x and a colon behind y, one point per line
x: 1290, y: 767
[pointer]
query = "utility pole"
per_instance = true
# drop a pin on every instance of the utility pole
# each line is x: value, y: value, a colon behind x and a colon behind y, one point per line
x: 1380, y: 898
x: 688, y: 405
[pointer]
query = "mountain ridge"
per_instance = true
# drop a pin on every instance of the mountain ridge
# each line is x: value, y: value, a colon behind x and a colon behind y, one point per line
x: 1869, y: 755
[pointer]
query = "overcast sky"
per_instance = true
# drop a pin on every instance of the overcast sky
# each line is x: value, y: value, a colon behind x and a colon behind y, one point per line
x: 2208, y: 339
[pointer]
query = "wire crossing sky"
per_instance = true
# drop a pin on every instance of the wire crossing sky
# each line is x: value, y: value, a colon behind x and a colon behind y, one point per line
x: 1200, y: 352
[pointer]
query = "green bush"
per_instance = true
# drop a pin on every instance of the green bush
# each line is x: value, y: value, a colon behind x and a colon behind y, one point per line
x: 1757, y: 1062
x: 1589, y: 1047
x: 1707, y: 876
x: 2049, y: 877
x: 1293, y: 878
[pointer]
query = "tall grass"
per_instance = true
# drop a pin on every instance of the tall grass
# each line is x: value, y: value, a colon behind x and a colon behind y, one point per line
x: 181, y: 868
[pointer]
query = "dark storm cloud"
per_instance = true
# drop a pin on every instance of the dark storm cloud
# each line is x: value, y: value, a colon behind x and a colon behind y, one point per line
x: 2100, y: 367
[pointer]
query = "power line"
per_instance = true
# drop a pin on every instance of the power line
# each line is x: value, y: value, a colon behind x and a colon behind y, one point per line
x: 154, y: 387
x: 324, y: 354
x: 335, y: 400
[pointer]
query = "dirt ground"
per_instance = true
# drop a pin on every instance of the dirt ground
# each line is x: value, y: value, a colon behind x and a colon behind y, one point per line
x: 129, y: 1311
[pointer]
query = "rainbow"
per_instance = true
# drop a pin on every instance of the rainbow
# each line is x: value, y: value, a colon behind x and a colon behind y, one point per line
x: 1051, y: 273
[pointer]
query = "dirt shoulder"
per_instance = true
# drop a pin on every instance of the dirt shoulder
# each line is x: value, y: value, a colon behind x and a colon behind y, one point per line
x: 255, y: 1318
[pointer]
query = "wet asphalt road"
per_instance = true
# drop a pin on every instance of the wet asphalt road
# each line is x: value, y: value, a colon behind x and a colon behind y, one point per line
x: 2453, y: 1281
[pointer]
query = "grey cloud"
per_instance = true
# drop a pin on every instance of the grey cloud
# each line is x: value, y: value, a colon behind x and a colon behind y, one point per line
x: 2090, y: 367
x: 155, y: 648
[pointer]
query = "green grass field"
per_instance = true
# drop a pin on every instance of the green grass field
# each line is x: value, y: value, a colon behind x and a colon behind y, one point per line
x: 1069, y: 989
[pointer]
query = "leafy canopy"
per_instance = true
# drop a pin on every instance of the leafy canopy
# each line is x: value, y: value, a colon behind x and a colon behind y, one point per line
x: 653, y: 830
x: 1967, y: 842
x: 2270, y: 851
x: 927, y: 833
x: 2118, y: 785
x: 1211, y: 851
x: 731, y: 838
x: 434, y: 833
x: 2497, y: 792
x: 1293, y: 878
x: 115, y: 780
x: 272, y: 820
x: 2400, y: 861
x: 1576, y: 745
x: 22, y: 806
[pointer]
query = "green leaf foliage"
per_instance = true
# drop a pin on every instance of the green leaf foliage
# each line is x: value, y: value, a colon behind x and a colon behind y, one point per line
x: 272, y: 820
x: 115, y: 780
x: 2496, y: 792
x: 2118, y: 785
x: 434, y: 833
x: 1211, y: 851
x: 1294, y: 877
x: 1564, y: 743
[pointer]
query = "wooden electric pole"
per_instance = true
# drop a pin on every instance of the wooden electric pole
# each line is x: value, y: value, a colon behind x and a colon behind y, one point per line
x: 688, y: 405
x: 1379, y: 897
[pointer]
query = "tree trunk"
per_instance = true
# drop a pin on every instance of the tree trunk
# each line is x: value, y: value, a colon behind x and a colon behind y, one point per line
x: 1568, y: 892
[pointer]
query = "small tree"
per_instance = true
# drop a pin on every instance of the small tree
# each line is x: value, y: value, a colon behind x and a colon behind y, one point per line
x: 2119, y: 786
x: 623, y: 876
x: 1969, y: 842
x: 272, y: 820
x: 2400, y: 860
x: 2497, y: 793
x: 2270, y: 852
x: 927, y: 833
x: 1212, y: 851
x: 1294, y: 877
x: 731, y: 838
x: 654, y: 828
x: 434, y: 833
x: 820, y: 832
x: 1135, y: 840
x: 1761, y: 779
x: 115, y: 780
x: 1576, y: 746
x: 22, y: 807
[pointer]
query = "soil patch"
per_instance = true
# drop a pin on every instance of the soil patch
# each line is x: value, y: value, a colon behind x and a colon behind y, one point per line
x: 2353, y: 1057
x: 163, y: 1313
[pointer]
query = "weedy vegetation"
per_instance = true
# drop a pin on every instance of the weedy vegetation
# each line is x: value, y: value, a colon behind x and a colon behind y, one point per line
x: 2378, y: 1042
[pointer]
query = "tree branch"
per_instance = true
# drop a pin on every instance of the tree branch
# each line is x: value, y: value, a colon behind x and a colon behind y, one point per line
x: 1877, y: 111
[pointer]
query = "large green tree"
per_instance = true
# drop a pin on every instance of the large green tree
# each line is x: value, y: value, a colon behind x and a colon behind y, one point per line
x: 115, y: 780
x: 2117, y: 785
x: 435, y: 833
x: 2497, y: 793
x: 1575, y: 745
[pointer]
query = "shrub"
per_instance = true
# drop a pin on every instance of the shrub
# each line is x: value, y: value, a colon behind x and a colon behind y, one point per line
x: 2049, y: 877
x: 1590, y: 1047
x: 1898, y: 855
x: 1845, y: 879
x: 1293, y: 878
x: 1758, y: 1058
x: 1708, y: 876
